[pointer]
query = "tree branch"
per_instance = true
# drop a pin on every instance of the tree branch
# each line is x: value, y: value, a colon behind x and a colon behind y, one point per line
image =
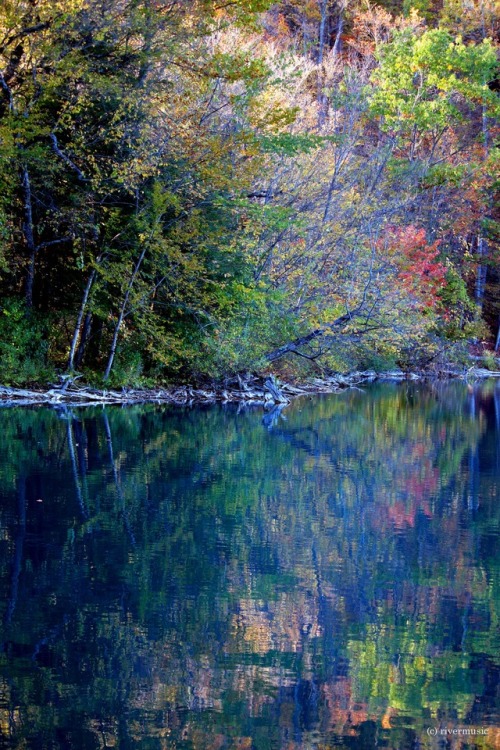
x: 293, y: 346
x: 65, y: 158
x: 53, y: 242
x: 25, y: 32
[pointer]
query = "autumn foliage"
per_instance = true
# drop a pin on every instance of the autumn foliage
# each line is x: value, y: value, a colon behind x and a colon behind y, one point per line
x: 194, y: 189
x: 421, y: 274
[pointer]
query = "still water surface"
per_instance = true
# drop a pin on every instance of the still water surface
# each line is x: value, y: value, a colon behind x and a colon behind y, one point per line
x: 203, y: 578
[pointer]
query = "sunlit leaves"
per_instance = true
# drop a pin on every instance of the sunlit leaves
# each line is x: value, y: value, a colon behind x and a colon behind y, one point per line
x: 425, y: 80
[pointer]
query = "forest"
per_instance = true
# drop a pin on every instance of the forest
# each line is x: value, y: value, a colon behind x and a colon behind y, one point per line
x: 191, y: 189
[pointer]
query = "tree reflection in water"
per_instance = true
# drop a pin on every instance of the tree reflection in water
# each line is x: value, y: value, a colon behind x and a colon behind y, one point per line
x: 202, y: 578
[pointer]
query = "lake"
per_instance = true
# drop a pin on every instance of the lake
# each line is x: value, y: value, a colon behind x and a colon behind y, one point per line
x: 216, y: 578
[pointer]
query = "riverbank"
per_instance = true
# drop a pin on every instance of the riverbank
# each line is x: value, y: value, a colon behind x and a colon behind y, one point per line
x: 258, y: 390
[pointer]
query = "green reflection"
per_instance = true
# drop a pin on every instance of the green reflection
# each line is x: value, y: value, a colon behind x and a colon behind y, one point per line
x: 324, y: 577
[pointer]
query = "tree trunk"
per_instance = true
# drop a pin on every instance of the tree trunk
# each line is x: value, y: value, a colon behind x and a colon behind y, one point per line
x: 338, y: 37
x: 29, y: 236
x: 293, y: 346
x: 121, y: 315
x: 482, y: 251
x: 82, y: 346
x: 78, y: 327
x: 322, y: 30
x: 322, y: 99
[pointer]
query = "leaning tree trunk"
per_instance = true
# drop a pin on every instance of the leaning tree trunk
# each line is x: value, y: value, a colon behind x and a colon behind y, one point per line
x: 338, y: 37
x: 121, y: 315
x: 78, y: 332
x: 293, y: 347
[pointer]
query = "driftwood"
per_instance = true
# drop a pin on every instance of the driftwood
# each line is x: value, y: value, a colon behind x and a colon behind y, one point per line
x: 249, y: 389
x: 481, y: 372
x: 273, y: 391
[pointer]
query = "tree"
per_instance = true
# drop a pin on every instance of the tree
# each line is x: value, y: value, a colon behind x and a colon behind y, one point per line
x: 123, y: 159
x: 185, y: 191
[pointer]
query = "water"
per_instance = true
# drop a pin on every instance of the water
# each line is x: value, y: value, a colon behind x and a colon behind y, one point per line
x: 209, y: 579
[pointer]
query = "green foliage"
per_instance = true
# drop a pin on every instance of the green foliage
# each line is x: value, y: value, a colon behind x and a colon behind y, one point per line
x: 490, y: 361
x: 129, y: 367
x: 380, y: 361
x: 423, y: 78
x: 423, y: 7
x: 458, y: 321
x: 444, y: 174
x: 290, y: 144
x: 241, y: 341
x: 24, y: 345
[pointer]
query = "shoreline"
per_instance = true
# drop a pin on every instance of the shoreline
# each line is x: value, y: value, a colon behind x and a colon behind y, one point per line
x: 256, y: 390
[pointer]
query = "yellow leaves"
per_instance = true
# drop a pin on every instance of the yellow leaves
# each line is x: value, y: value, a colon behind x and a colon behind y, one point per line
x: 276, y: 119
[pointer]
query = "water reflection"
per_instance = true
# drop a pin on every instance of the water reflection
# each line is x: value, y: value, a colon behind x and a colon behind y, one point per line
x: 324, y: 577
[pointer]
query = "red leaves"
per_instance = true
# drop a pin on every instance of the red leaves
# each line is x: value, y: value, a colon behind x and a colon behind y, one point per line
x: 420, y: 274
